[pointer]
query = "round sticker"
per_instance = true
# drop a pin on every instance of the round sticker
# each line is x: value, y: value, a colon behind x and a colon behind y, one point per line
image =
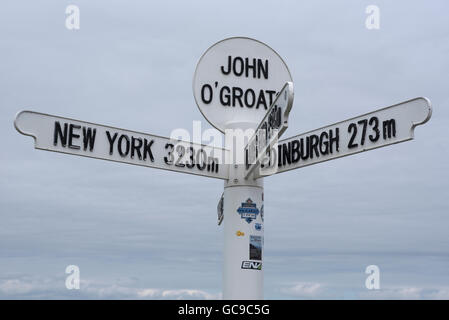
x: 236, y: 80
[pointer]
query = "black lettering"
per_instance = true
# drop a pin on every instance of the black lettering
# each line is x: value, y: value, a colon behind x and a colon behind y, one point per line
x: 261, y: 100
x: 237, y: 94
x: 147, y: 150
x: 250, y: 66
x: 352, y: 128
x: 120, y: 143
x: 335, y: 139
x: 389, y: 128
x: 73, y: 136
x: 169, y: 158
x: 136, y: 144
x: 181, y: 150
x: 58, y: 133
x: 253, y: 98
x: 229, y: 66
x: 203, y: 95
x: 201, y: 158
x: 216, y: 166
x: 238, y: 72
x: 363, y: 122
x: 286, y: 153
x: 314, y: 146
x: 295, y: 151
x: 212, y: 164
x: 280, y: 164
x: 271, y: 93
x: 89, y: 138
x: 111, y: 141
x: 324, y: 141
x: 305, y: 146
x: 374, y: 121
x: 262, y: 69
x: 226, y: 99
x: 274, y: 118
x: 191, y: 164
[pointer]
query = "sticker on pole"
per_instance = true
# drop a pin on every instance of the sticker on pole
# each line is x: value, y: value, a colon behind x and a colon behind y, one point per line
x: 248, y: 210
x: 236, y: 81
x: 255, y: 248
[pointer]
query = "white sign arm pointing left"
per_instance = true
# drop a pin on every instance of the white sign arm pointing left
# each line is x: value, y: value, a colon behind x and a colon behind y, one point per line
x: 58, y: 134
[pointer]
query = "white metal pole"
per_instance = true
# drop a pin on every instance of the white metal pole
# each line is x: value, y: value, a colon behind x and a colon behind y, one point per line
x: 243, y: 233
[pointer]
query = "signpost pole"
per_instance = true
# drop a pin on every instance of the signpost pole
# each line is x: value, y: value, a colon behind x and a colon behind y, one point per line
x: 243, y: 234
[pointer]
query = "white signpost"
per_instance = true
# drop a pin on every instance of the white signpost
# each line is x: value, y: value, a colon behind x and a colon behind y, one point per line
x: 235, y: 83
x: 235, y: 87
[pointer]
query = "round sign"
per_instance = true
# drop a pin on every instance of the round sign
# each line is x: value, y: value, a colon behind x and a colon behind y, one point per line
x: 236, y: 80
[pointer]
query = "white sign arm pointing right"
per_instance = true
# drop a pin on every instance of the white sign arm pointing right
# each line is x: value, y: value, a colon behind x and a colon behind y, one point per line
x: 383, y: 127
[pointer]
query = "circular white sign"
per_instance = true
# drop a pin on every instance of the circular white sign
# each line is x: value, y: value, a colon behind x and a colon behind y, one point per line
x: 236, y: 80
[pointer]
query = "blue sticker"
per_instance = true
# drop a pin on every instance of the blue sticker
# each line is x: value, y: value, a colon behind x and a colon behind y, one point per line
x: 258, y: 226
x: 248, y: 210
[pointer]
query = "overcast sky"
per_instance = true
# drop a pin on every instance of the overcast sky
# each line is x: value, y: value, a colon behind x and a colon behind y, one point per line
x: 137, y: 232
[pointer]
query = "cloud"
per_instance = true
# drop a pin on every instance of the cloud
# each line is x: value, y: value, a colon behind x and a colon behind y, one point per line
x: 32, y: 287
x: 15, y: 286
x: 304, y: 290
x: 309, y: 290
x: 177, y: 294
x: 407, y: 293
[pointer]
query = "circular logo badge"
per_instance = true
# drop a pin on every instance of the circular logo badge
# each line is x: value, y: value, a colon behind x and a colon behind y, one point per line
x: 236, y: 80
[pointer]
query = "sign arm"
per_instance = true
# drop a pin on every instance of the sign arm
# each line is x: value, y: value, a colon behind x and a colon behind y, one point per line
x: 376, y: 129
x: 81, y: 138
x: 272, y: 126
x: 426, y: 114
